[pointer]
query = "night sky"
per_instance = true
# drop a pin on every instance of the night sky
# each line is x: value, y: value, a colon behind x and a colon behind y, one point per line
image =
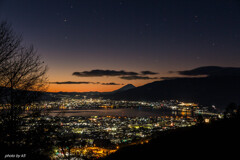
x: 100, y: 45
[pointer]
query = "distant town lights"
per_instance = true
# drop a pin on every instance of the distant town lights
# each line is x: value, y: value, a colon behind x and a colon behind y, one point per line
x: 206, y: 120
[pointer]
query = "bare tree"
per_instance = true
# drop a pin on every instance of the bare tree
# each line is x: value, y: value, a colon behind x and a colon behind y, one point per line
x: 22, y: 80
x: 9, y: 42
x: 9, y: 45
x: 25, y: 72
x: 21, y: 69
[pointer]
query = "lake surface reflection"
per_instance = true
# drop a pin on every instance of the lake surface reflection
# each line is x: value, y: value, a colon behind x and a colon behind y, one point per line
x: 126, y: 112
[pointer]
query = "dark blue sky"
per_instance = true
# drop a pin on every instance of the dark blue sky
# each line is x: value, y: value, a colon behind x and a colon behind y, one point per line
x: 130, y: 35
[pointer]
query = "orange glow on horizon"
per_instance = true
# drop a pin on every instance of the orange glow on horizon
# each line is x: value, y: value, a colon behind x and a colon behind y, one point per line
x: 64, y: 74
x: 90, y: 87
x: 82, y: 88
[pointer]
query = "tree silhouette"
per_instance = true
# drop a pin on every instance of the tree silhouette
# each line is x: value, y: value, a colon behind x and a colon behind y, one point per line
x: 9, y: 43
x: 22, y: 81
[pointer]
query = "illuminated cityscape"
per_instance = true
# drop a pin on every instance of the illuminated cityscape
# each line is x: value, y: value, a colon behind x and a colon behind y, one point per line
x: 119, y: 79
x: 108, y: 126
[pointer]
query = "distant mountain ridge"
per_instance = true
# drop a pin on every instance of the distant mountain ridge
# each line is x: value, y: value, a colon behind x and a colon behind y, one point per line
x: 95, y: 94
x: 124, y: 88
x: 219, y: 91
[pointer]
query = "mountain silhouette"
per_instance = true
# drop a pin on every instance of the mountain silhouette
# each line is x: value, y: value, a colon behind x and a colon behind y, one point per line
x: 124, y: 88
x: 219, y: 90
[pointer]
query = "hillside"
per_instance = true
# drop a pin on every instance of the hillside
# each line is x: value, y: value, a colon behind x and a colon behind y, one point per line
x: 204, y: 141
x: 219, y: 91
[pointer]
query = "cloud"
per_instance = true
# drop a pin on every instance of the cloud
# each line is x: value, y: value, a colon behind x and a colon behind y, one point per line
x: 138, y: 77
x: 111, y: 83
x: 101, y: 73
x: 170, y: 78
x: 72, y: 82
x: 211, y: 71
x: 208, y: 70
x: 121, y: 74
x: 148, y: 73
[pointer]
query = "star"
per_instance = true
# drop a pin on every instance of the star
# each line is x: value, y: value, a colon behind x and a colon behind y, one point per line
x: 65, y: 20
x: 196, y: 18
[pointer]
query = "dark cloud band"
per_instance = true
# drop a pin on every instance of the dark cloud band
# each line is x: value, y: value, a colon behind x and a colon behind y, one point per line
x: 137, y: 78
x: 111, y: 83
x: 211, y: 71
x: 148, y: 73
x: 101, y: 73
x: 72, y: 82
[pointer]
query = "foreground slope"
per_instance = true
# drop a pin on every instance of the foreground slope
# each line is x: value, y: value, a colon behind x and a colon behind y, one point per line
x: 214, y: 140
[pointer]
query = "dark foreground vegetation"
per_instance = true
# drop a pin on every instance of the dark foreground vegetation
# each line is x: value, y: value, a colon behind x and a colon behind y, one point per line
x: 215, y: 140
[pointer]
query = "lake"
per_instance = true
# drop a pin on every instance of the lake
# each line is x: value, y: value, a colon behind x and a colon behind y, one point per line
x: 125, y: 112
